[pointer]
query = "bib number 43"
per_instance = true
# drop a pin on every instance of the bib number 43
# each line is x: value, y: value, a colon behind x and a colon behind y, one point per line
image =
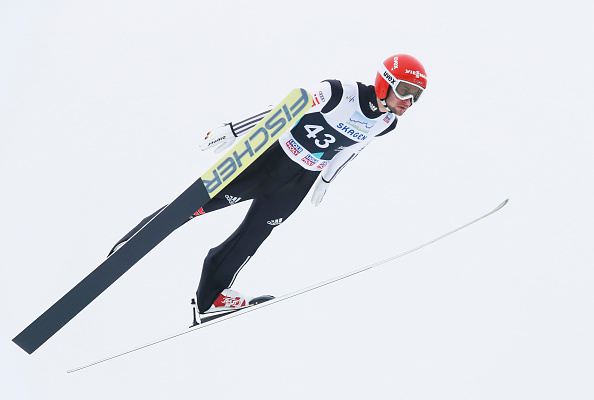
x: 312, y: 133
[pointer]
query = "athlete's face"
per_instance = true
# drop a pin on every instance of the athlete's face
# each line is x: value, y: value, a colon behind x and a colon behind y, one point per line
x: 396, y: 105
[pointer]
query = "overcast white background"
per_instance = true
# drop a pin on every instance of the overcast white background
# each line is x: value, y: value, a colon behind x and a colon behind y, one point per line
x: 102, y: 107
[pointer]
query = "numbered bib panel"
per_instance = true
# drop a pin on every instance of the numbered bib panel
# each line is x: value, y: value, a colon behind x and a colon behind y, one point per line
x: 320, y: 135
x: 315, y: 141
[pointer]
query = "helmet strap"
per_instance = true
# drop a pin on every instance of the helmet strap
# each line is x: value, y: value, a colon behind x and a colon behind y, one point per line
x: 383, y: 101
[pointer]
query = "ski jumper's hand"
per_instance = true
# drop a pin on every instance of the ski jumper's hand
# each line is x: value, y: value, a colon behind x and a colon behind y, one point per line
x: 223, y: 137
x: 319, y: 191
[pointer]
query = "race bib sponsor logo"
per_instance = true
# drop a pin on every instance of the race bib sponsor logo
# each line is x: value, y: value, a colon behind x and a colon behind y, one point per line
x: 348, y: 131
x: 309, y: 160
x: 322, y: 165
x: 294, y: 147
x: 360, y: 122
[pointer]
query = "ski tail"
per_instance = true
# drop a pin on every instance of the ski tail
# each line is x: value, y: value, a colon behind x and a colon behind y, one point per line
x: 238, y: 158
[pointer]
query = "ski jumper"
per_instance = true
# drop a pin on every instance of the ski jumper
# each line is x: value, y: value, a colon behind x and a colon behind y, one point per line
x: 343, y: 119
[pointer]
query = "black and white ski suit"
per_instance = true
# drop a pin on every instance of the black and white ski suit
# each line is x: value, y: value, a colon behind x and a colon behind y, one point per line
x: 343, y: 119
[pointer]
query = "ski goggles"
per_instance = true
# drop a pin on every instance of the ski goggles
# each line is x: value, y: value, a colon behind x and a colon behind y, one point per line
x: 404, y: 90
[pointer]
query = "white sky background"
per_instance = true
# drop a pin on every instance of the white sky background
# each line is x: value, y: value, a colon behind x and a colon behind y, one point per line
x: 102, y: 107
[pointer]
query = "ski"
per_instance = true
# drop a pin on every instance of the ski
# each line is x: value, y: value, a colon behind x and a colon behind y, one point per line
x: 227, y: 168
x: 236, y: 313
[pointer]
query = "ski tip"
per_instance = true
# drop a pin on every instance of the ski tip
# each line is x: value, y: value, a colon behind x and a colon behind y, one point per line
x: 499, y: 207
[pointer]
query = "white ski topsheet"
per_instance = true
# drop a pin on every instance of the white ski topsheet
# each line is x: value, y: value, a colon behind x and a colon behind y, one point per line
x: 288, y: 296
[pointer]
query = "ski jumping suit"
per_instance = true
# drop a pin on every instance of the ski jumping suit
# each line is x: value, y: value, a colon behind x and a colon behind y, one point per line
x: 343, y: 119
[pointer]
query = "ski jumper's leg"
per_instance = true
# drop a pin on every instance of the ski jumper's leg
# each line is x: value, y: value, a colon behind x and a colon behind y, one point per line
x: 212, y: 205
x: 223, y: 263
x: 242, y: 188
x: 252, y: 182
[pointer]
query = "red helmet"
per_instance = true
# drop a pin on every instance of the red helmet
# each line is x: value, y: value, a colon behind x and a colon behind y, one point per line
x: 405, y: 74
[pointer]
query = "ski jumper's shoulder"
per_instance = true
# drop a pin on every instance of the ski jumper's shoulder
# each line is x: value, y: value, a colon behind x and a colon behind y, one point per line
x: 336, y: 92
x: 328, y: 94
